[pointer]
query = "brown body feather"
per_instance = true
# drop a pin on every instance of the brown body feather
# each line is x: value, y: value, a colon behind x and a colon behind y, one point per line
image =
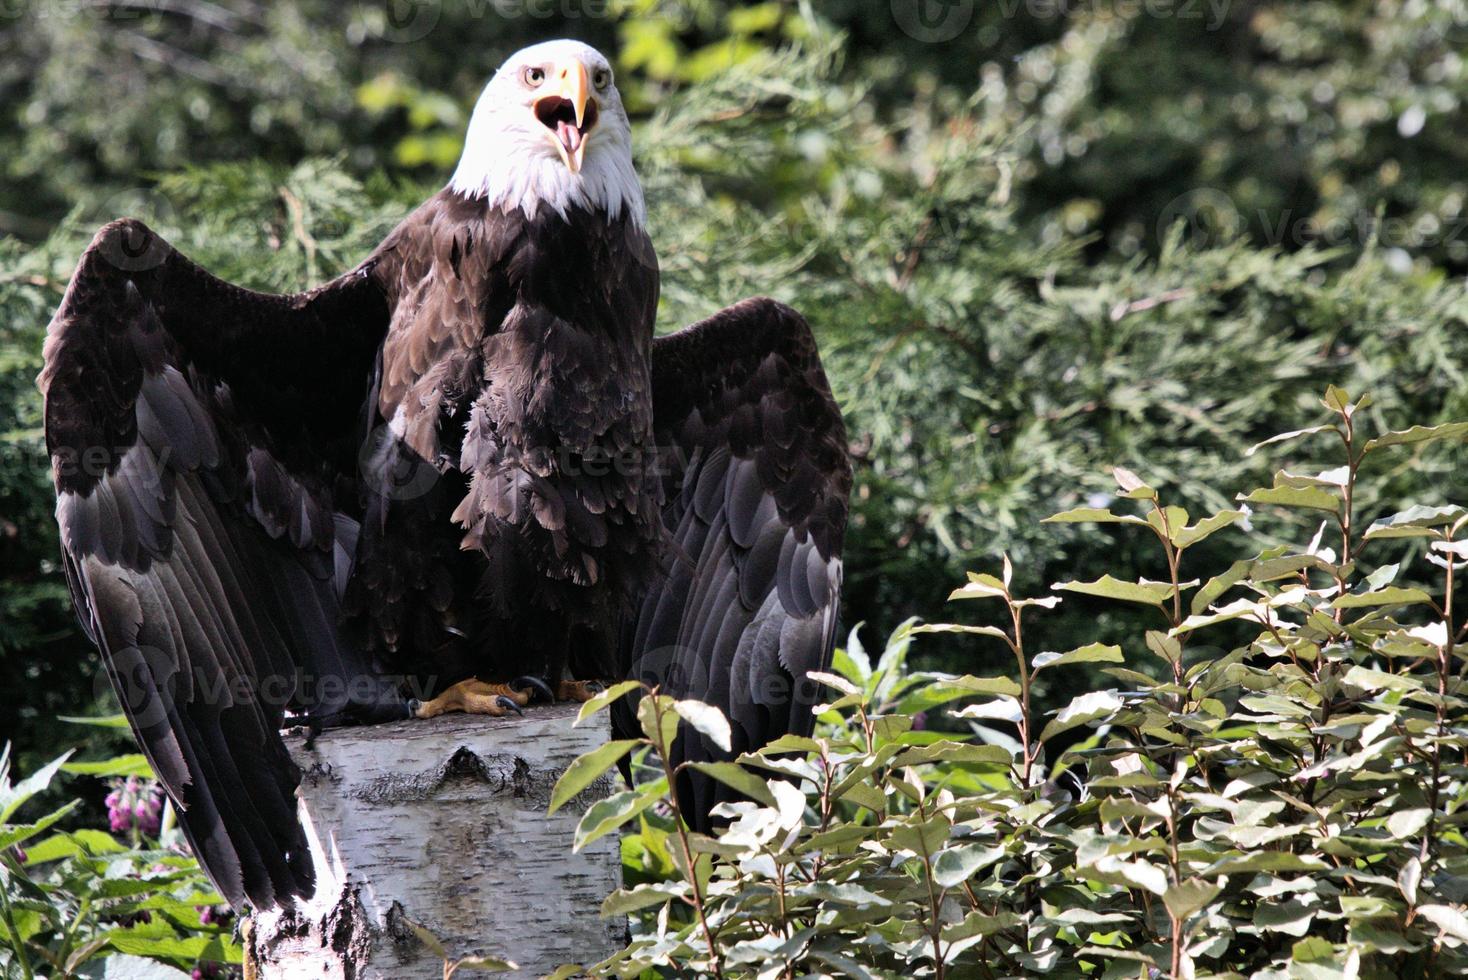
x: 511, y: 502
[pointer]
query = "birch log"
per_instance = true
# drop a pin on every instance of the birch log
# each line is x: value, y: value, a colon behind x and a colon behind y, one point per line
x: 442, y: 822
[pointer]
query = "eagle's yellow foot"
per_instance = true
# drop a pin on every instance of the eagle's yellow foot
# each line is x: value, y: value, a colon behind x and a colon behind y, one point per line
x: 475, y: 697
x: 579, y: 690
x: 540, y: 692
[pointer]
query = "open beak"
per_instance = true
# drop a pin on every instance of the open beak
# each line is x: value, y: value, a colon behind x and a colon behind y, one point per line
x: 567, y: 112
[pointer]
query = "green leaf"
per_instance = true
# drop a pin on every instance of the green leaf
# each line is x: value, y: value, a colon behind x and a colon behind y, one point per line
x: 1380, y: 680
x: 1091, y: 515
x: 922, y: 837
x: 1409, y: 878
x: 1147, y: 593
x: 955, y: 865
x: 734, y: 775
x: 1082, y: 709
x: 791, y: 743
x: 953, y: 752
x: 117, y: 721
x: 993, y: 631
x: 1335, y: 478
x: 851, y: 661
x: 567, y: 970
x: 587, y: 769
x: 658, y: 720
x: 427, y: 938
x: 1407, y: 823
x: 1284, y: 436
x: 1193, y: 533
x: 1131, y: 485
x: 1088, y: 654
x: 605, y: 816
x: 1416, y: 434
x: 1414, y: 522
x: 12, y: 797
x: 1392, y: 595
x: 1169, y: 648
x: 1314, y: 949
x: 986, y: 685
x: 605, y: 698
x: 484, y: 964
x: 837, y: 682
x: 1311, y: 498
x: 625, y: 900
x: 1336, y: 399
x: 1141, y: 874
x: 64, y: 845
x: 979, y: 587
x: 1265, y: 568
x: 708, y: 720
x: 1269, y: 861
x: 12, y: 834
x: 1187, y: 897
x: 1451, y: 921
x: 124, y: 765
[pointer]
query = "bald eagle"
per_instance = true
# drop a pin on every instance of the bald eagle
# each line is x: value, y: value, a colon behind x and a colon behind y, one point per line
x: 465, y: 475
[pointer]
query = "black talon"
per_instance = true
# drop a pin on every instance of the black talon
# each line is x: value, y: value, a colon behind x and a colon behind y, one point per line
x: 413, y: 704
x: 313, y: 729
x: 541, y: 688
x: 508, y: 703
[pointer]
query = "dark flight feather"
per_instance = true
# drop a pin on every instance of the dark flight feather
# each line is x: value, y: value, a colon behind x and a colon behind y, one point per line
x: 193, y: 458
x: 756, y: 479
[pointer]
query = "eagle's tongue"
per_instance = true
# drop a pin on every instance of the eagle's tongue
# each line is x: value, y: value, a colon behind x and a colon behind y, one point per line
x: 569, y: 135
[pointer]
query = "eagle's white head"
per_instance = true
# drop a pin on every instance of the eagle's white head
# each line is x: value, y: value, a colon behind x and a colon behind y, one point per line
x: 549, y: 130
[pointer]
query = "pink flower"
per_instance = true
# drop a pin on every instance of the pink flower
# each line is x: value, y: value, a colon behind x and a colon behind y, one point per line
x: 135, y: 804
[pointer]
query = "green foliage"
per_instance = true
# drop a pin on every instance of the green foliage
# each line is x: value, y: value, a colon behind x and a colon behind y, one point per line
x: 1271, y: 784
x: 992, y: 355
x: 69, y: 898
x: 1066, y: 237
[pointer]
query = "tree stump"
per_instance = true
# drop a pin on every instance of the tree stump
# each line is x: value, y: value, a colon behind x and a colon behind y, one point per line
x: 442, y: 823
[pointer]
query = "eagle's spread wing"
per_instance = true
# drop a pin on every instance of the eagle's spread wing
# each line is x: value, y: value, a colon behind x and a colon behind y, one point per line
x: 200, y: 434
x: 756, y: 480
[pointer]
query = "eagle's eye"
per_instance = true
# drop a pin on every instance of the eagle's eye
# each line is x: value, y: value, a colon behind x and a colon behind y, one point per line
x: 533, y: 76
x: 601, y: 79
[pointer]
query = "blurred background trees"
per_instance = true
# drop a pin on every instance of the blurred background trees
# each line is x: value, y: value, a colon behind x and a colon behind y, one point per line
x: 1037, y: 238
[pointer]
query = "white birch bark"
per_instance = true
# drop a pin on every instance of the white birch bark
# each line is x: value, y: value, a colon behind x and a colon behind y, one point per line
x: 443, y: 822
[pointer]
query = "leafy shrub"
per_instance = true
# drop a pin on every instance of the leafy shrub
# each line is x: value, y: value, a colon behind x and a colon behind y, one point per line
x: 1286, y: 802
x: 70, y: 898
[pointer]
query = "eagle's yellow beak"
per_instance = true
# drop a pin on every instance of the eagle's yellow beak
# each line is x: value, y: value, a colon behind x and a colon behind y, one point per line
x: 568, y: 112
